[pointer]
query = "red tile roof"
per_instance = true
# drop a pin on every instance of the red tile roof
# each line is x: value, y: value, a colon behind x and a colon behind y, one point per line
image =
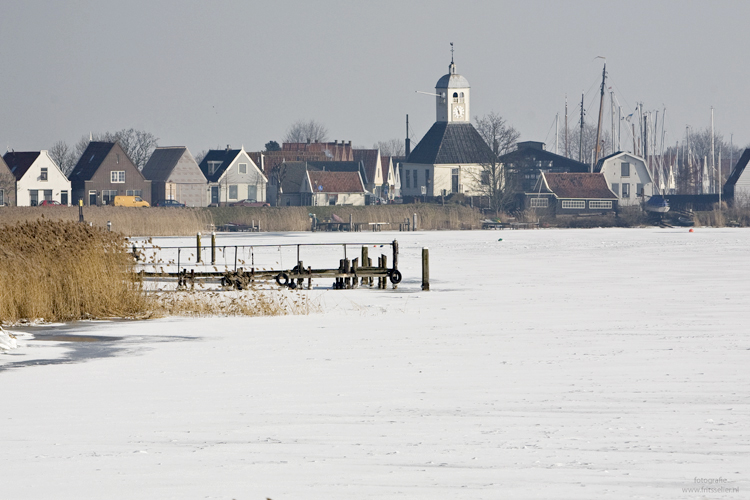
x: 580, y: 186
x: 336, y: 182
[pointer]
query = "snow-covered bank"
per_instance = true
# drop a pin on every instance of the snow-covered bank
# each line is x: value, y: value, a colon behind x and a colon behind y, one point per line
x: 551, y: 364
x: 7, y: 340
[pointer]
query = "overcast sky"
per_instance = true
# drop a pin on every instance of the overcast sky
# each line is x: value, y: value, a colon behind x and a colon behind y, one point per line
x: 207, y: 74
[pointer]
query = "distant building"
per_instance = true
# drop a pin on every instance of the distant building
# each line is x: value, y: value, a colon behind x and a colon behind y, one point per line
x: 530, y: 159
x: 321, y: 188
x: 627, y: 176
x: 571, y: 194
x: 336, y: 151
x: 7, y: 185
x: 450, y: 156
x: 285, y: 182
x: 105, y: 171
x: 232, y: 176
x: 37, y: 178
x: 373, y: 178
x: 175, y: 175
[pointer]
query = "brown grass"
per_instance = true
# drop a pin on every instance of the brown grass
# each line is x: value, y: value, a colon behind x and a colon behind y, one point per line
x: 63, y: 271
x: 253, y: 302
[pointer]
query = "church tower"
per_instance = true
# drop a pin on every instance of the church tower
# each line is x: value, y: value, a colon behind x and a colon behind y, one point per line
x: 452, y: 101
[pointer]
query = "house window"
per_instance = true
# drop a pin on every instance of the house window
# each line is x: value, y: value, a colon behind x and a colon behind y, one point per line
x: 598, y: 205
x: 213, y: 166
x: 48, y: 195
x: 33, y: 197
x: 63, y: 197
x: 43, y: 175
x: 117, y: 176
x: 407, y: 179
x: 538, y: 202
x: 625, y: 169
x: 108, y: 196
x: 639, y: 189
x: 243, y: 168
x: 626, y: 190
x: 134, y: 192
x: 252, y: 193
x: 574, y: 204
x: 416, y: 177
x: 233, y: 191
x: 2, y: 197
x: 485, y: 178
x: 616, y: 188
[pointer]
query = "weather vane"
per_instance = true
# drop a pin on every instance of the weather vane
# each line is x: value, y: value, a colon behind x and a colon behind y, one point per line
x: 451, y: 51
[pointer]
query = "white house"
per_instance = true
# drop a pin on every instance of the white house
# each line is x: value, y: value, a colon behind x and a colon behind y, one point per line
x: 627, y: 176
x: 232, y: 176
x: 38, y: 178
x: 450, y: 156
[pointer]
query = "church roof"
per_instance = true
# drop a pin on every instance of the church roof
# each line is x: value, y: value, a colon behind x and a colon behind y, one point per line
x: 451, y: 143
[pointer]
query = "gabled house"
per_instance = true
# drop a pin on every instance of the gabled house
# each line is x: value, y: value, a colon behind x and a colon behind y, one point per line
x: 232, y: 176
x: 627, y: 176
x: 285, y: 181
x: 7, y: 185
x: 105, y: 171
x: 571, y: 194
x: 321, y: 188
x: 370, y: 159
x: 737, y: 187
x: 37, y: 178
x: 391, y: 184
x: 175, y: 175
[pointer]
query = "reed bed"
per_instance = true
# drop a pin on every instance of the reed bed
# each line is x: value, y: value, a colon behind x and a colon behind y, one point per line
x: 64, y: 271
x: 253, y: 302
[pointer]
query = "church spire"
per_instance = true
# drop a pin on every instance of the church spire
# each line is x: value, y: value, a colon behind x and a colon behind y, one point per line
x: 452, y: 66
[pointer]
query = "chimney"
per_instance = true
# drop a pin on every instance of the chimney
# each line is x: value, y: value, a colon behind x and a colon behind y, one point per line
x: 308, y: 140
x: 350, y: 143
x: 408, y: 141
x: 336, y: 141
x: 228, y: 147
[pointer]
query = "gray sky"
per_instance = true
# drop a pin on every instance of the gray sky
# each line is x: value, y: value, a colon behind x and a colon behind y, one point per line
x: 208, y: 74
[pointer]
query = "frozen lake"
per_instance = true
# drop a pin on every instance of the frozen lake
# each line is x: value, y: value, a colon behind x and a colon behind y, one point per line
x: 566, y: 364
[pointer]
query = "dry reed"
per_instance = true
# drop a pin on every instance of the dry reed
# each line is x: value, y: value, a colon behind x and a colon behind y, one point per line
x: 63, y: 271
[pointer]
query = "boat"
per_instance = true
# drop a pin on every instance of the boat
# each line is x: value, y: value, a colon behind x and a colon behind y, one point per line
x: 657, y: 204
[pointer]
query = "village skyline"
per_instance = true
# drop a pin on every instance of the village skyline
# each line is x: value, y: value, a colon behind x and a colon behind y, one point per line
x: 356, y: 69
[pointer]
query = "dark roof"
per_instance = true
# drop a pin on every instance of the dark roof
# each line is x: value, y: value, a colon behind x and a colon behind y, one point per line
x: 19, y: 163
x: 578, y: 186
x: 600, y: 163
x: 335, y: 182
x: 162, y: 162
x: 293, y: 173
x: 225, y: 156
x: 369, y: 158
x: 451, y: 143
x: 90, y: 160
x: 738, y: 168
x: 529, y: 151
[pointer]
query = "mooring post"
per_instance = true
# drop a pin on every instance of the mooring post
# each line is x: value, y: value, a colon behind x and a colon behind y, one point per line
x: 395, y: 254
x: 364, y: 260
x: 350, y: 223
x: 384, y: 267
x: 198, y: 248
x: 213, y: 248
x: 300, y: 270
x: 425, y: 268
x: 414, y: 224
x: 80, y: 210
x: 135, y: 253
x: 347, y: 280
x: 355, y: 265
x: 192, y: 279
x: 109, y: 225
x: 309, y: 277
x: 235, y: 258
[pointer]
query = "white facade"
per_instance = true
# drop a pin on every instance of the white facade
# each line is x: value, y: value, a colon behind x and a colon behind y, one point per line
x: 42, y: 181
x: 627, y: 177
x: 742, y: 189
x: 242, y: 180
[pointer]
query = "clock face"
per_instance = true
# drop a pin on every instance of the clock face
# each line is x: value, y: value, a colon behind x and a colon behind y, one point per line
x: 458, y: 112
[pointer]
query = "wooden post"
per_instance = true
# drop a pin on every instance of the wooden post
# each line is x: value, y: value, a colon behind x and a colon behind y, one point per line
x: 213, y: 248
x: 350, y: 222
x: 198, y: 248
x: 414, y: 225
x: 425, y: 268
x: 347, y: 281
x: 192, y: 279
x: 80, y: 210
x: 380, y: 265
x: 395, y: 254
x: 369, y: 264
x: 300, y: 270
x: 365, y: 261
x: 355, y: 265
x: 384, y: 266
x: 309, y: 278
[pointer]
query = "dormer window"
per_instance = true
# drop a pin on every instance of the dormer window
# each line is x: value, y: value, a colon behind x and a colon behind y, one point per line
x: 243, y: 168
x: 213, y: 166
x: 43, y: 174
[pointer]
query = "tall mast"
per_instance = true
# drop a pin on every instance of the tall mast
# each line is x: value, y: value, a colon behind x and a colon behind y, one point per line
x: 713, y: 163
x: 612, y: 115
x: 557, y: 135
x: 601, y: 107
x: 567, y: 146
x: 580, y: 136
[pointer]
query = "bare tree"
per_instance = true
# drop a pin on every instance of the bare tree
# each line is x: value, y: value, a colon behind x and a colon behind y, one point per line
x: 137, y: 144
x: 589, y: 143
x: 392, y: 147
x: 200, y: 155
x: 303, y: 131
x: 64, y: 156
x: 493, y: 180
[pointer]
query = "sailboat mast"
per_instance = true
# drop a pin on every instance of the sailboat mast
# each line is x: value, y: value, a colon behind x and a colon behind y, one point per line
x: 713, y: 164
x: 601, y: 108
x: 580, y: 136
x: 567, y: 146
x: 557, y: 135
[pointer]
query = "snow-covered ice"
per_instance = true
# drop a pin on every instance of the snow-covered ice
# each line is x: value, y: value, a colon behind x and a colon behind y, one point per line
x: 603, y: 363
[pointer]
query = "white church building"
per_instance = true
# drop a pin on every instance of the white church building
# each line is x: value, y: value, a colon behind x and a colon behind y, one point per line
x: 450, y: 156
